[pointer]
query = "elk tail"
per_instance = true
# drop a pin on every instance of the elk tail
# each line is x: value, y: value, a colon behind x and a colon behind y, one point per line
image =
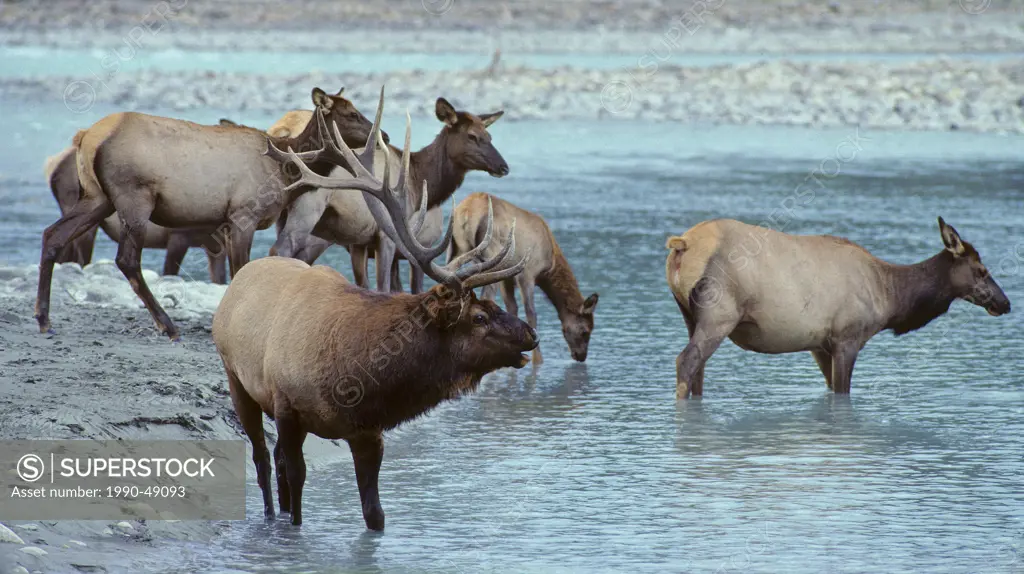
x: 676, y: 243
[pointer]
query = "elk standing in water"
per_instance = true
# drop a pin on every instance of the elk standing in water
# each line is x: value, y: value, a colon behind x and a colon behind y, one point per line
x: 341, y: 217
x: 548, y: 268
x: 320, y: 355
x: 62, y: 174
x: 772, y: 292
x: 180, y: 175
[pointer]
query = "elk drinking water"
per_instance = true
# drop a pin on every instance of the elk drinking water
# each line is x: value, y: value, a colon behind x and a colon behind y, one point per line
x: 548, y: 267
x: 320, y: 355
x: 463, y: 145
x: 180, y: 175
x: 772, y: 292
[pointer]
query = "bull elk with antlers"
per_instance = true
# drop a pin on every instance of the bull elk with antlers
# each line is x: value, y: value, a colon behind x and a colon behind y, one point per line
x: 181, y: 175
x: 320, y: 355
x: 323, y: 217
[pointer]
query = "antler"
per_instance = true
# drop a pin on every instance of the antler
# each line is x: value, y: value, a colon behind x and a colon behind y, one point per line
x: 389, y: 209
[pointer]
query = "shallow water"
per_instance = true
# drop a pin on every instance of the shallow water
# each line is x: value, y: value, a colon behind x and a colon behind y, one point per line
x: 595, y: 467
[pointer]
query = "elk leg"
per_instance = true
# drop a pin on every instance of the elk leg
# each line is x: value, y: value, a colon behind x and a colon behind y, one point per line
x: 843, y: 358
x: 385, y: 255
x: 284, y: 497
x: 526, y: 288
x: 697, y: 383
x: 508, y: 294
x: 79, y: 250
x: 824, y: 361
x: 295, y: 238
x: 396, y: 276
x: 251, y: 417
x: 216, y: 262
x: 708, y: 334
x: 415, y: 279
x: 239, y: 246
x: 367, y: 453
x: 177, y: 246
x: 290, y: 436
x: 84, y: 215
x: 129, y: 261
x: 489, y: 292
x: 359, y: 256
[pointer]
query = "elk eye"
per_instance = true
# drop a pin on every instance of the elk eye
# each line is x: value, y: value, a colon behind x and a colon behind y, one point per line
x: 474, y: 138
x: 479, y: 319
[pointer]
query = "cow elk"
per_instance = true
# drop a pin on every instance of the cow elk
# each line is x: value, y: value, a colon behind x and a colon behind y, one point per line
x: 320, y: 355
x: 548, y: 267
x: 62, y: 174
x: 337, y: 216
x: 771, y: 292
x: 182, y: 175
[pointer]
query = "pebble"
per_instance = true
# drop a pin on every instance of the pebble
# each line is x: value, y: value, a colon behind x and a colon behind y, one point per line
x: 19, y: 570
x: 8, y: 535
x: 126, y: 527
x: 928, y: 94
x: 34, y: 551
x: 29, y: 527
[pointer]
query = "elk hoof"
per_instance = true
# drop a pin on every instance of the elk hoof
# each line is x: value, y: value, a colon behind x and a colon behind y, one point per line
x: 296, y: 520
x: 682, y: 390
x: 374, y: 520
x: 268, y: 513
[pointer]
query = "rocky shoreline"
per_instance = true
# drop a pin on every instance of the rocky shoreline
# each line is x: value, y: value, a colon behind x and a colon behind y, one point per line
x: 934, y: 94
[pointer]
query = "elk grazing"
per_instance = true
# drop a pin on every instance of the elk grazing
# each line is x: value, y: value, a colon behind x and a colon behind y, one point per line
x: 62, y: 174
x: 182, y: 175
x: 548, y: 267
x: 337, y: 216
x: 771, y: 292
x: 320, y: 355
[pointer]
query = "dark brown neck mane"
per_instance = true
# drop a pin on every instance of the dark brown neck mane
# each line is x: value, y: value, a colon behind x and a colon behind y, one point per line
x: 559, y: 285
x: 411, y: 370
x: 921, y: 292
x: 307, y: 140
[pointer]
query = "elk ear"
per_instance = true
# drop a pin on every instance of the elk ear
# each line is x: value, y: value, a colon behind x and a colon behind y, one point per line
x: 227, y: 122
x: 951, y: 239
x: 589, y: 305
x: 341, y: 91
x: 321, y: 99
x: 489, y: 119
x: 445, y: 112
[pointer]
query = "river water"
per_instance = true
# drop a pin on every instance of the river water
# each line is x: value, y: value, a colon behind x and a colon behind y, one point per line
x: 596, y: 467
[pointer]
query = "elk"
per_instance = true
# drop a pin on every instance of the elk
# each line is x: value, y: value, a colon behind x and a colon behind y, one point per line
x: 335, y: 216
x: 62, y: 174
x: 772, y: 292
x: 320, y: 355
x: 548, y: 268
x: 181, y: 175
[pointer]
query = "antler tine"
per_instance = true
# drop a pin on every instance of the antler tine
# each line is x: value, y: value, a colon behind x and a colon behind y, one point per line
x: 416, y: 223
x: 496, y: 276
x: 366, y: 157
x: 472, y: 254
x: 506, y: 253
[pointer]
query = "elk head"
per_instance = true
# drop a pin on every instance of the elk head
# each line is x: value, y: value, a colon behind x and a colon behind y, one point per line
x: 337, y: 110
x: 577, y: 325
x: 482, y: 337
x: 469, y: 145
x: 969, y: 277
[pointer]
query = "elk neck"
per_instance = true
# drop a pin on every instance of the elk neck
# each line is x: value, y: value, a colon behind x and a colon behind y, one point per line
x: 308, y: 139
x: 920, y: 292
x: 433, y: 164
x: 559, y: 285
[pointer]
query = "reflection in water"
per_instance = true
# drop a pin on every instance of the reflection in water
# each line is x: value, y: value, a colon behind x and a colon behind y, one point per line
x: 596, y: 467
